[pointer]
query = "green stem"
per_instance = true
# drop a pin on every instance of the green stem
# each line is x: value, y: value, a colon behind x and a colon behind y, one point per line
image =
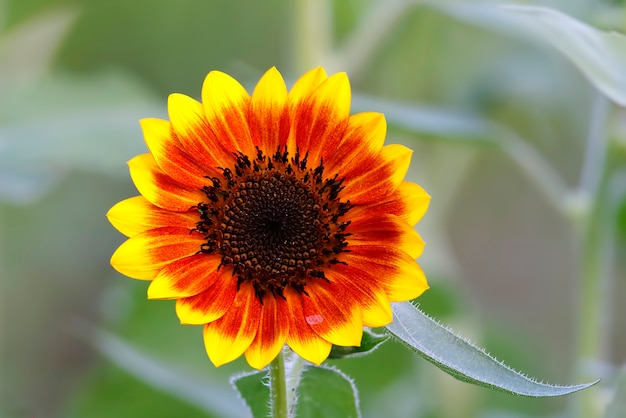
x: 295, y: 366
x: 593, y: 226
x: 312, y: 34
x: 590, y: 302
x: 598, y: 284
x: 543, y: 175
x: 278, y: 387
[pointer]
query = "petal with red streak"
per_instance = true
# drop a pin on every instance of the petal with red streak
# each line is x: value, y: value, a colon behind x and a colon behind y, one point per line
x: 332, y: 313
x: 186, y: 277
x: 361, y: 144
x: 319, y: 120
x: 409, y: 201
x: 269, y: 113
x: 230, y: 336
x: 169, y: 154
x: 145, y: 254
x: 210, y: 304
x: 306, y: 84
x: 383, y: 230
x: 196, y: 136
x: 272, y: 333
x: 394, y: 270
x: 375, y: 179
x: 363, y: 288
x: 135, y: 215
x: 226, y: 107
x: 302, y: 339
x: 159, y: 188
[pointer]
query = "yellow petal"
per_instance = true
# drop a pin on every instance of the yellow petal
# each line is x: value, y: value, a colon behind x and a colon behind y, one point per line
x: 416, y: 199
x: 226, y: 107
x: 145, y: 254
x: 186, y: 277
x: 302, y: 339
x: 374, y: 180
x: 395, y: 271
x: 269, y: 113
x: 195, y: 135
x: 362, y: 288
x: 384, y: 230
x: 332, y: 315
x: 160, y: 189
x: 319, y: 120
x: 169, y: 154
x: 364, y: 138
x: 409, y: 202
x: 210, y: 304
x: 306, y: 84
x: 273, y: 330
x: 135, y: 215
x: 228, y: 337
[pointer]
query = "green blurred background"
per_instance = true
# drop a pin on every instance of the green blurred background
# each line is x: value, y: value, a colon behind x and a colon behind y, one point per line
x: 504, y: 265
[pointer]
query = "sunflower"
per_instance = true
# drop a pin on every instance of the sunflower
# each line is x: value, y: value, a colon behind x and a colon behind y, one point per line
x: 273, y: 218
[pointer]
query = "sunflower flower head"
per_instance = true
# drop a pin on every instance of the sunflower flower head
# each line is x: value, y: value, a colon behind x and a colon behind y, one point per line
x: 273, y: 218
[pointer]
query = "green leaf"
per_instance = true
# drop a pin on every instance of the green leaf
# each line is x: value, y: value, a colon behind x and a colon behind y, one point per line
x: 369, y: 342
x: 255, y: 392
x: 462, y: 359
x: 326, y: 392
x: 600, y: 55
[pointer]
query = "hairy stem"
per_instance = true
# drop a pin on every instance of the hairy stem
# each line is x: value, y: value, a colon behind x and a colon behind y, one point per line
x: 278, y: 387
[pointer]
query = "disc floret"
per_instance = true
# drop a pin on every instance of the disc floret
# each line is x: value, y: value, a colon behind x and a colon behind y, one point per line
x: 274, y: 220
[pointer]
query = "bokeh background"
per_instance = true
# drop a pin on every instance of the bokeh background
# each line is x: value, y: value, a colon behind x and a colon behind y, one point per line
x: 493, y: 116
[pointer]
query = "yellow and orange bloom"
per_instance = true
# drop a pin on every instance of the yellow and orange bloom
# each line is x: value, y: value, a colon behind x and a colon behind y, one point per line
x: 273, y: 219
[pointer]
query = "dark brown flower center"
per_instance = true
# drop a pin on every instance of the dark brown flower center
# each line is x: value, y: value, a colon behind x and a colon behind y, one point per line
x: 276, y: 221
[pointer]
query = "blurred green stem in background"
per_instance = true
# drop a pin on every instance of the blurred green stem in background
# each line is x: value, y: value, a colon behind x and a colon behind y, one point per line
x: 312, y: 34
x: 534, y: 165
x: 593, y: 221
x: 313, y: 43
